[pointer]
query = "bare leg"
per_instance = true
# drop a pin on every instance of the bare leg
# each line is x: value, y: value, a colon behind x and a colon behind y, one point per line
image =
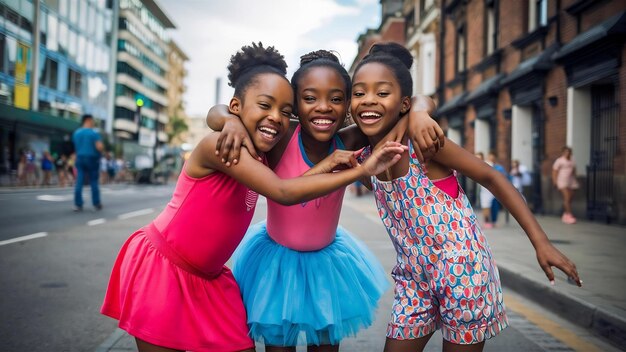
x: 487, y: 215
x: 144, y: 346
x: 323, y: 348
x: 567, y: 200
x: 415, y: 345
x: 452, y: 347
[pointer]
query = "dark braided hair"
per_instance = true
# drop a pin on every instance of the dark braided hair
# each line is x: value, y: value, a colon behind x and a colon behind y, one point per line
x: 395, y: 57
x: 250, y: 61
x: 320, y: 58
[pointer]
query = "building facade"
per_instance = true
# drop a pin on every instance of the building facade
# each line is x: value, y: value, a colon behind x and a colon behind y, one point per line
x: 141, y: 89
x: 55, y: 64
x: 526, y: 78
x: 175, y: 93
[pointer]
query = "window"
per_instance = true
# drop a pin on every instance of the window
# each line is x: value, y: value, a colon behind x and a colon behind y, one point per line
x: 49, y: 76
x: 74, y: 81
x: 53, y: 39
x: 461, y: 49
x: 537, y: 14
x: 491, y: 34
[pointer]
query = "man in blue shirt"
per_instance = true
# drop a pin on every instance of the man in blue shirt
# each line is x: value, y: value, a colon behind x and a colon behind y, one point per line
x: 88, y: 146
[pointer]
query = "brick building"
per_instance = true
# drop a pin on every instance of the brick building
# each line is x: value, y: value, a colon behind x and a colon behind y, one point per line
x: 525, y: 78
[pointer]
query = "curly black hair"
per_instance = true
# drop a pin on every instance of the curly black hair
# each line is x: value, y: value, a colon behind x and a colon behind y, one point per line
x: 397, y: 58
x: 250, y: 61
x: 320, y: 58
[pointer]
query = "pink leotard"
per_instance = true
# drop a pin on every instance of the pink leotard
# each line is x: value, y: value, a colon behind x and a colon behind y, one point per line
x: 169, y: 285
x: 311, y: 225
x: 206, y: 219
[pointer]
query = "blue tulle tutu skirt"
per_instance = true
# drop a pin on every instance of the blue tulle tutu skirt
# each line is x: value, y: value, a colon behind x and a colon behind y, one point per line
x: 314, y: 298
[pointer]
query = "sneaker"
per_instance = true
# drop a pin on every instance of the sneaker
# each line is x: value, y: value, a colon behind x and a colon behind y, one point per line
x: 488, y: 225
x: 98, y: 207
x: 568, y: 219
x: 76, y: 209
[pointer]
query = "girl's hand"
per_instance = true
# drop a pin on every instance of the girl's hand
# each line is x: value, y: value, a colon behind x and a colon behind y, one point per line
x: 548, y: 256
x: 234, y: 136
x: 338, y: 160
x: 426, y: 135
x: 383, y: 157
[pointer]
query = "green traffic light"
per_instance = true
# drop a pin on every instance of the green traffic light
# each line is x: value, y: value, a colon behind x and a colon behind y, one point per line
x: 139, y: 102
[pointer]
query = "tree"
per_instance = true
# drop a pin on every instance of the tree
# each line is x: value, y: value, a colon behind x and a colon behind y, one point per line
x: 175, y: 127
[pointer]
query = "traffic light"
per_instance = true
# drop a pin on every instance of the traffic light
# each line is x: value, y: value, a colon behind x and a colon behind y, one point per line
x: 138, y: 104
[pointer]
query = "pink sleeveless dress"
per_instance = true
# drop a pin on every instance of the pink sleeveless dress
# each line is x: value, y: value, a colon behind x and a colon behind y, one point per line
x: 169, y: 285
x: 304, y: 279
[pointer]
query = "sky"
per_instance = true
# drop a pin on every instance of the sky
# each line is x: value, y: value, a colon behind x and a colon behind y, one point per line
x: 210, y: 31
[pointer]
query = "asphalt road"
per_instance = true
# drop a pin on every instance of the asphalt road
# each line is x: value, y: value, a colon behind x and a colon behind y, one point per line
x: 52, y: 284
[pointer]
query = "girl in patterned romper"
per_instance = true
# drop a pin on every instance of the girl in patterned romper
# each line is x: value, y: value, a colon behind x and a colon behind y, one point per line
x: 445, y: 276
x: 300, y: 254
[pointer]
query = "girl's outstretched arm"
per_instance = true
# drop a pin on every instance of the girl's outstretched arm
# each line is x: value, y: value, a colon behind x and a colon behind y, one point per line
x: 548, y: 256
x: 263, y: 180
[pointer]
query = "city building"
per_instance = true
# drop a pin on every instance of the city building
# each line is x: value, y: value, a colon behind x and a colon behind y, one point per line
x: 141, y: 90
x: 55, y: 64
x: 526, y: 78
x: 175, y: 94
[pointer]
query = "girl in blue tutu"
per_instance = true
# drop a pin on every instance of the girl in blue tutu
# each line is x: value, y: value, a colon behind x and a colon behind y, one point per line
x: 303, y: 278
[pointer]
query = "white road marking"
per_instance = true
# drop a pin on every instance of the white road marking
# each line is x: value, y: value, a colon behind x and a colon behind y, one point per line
x: 133, y: 214
x: 54, y: 198
x: 96, y: 222
x: 24, y: 238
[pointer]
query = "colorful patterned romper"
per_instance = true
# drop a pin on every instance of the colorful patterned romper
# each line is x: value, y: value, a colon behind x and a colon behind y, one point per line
x: 445, y: 275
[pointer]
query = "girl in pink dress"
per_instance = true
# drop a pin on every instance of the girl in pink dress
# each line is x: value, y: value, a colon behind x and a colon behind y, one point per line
x: 564, y: 179
x: 169, y: 287
x: 305, y: 279
x: 445, y: 276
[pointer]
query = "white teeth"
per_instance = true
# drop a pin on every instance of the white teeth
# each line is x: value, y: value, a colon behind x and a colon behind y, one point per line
x: 268, y: 130
x: 322, y: 122
x: 370, y: 114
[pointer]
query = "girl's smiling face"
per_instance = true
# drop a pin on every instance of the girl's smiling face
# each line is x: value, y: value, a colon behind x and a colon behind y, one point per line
x: 322, y: 102
x: 377, y: 100
x: 265, y: 109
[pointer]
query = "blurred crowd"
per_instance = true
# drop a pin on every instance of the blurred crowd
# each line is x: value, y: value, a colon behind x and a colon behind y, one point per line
x: 58, y: 169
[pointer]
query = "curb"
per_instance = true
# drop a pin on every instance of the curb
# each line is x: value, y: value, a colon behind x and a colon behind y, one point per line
x: 108, y: 344
x: 576, y: 310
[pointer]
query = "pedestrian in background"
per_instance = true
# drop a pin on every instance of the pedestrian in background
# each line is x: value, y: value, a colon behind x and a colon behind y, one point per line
x: 169, y: 285
x: 47, y: 164
x: 564, y: 179
x: 88, y: 147
x: 520, y: 176
x: 485, y: 198
x: 445, y: 276
x: 495, y: 205
x: 60, y: 165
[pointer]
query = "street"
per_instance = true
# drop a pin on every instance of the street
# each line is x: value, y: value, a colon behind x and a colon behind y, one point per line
x: 53, y: 282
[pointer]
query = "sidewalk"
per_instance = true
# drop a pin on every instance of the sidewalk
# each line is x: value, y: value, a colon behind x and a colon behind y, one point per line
x: 598, y: 250
x: 599, y: 253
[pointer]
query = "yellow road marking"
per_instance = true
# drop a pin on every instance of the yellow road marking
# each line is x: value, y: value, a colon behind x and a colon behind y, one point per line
x: 557, y: 331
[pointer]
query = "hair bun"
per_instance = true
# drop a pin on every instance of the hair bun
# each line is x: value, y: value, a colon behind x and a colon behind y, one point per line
x: 251, y: 56
x: 317, y: 55
x: 393, y: 49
